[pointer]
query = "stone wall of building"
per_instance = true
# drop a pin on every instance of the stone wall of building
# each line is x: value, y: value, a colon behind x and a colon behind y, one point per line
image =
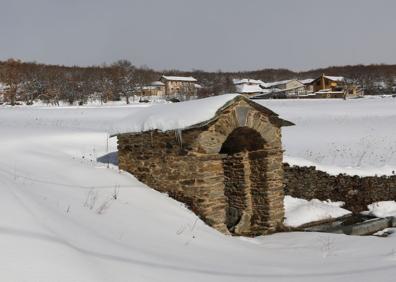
x: 242, y: 189
x: 357, y: 192
x: 158, y: 160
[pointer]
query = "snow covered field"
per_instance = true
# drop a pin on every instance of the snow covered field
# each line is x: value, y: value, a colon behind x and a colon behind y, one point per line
x: 67, y: 217
x: 356, y: 136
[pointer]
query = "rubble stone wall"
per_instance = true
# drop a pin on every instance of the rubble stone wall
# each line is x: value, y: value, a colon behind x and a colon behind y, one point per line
x: 357, y: 192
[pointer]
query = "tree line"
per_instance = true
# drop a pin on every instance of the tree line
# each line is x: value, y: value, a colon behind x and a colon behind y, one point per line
x: 30, y: 81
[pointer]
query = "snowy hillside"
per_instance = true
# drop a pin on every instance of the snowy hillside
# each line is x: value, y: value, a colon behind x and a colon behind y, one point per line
x: 67, y: 217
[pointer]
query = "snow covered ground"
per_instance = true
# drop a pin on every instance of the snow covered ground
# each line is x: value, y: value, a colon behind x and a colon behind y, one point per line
x: 356, y: 136
x: 67, y: 217
x: 382, y: 209
x: 300, y: 211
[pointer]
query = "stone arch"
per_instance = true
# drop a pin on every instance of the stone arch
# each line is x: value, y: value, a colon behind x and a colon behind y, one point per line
x: 247, y: 144
x: 242, y: 139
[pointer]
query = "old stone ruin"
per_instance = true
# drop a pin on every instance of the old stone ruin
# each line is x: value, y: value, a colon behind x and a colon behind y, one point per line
x: 227, y: 169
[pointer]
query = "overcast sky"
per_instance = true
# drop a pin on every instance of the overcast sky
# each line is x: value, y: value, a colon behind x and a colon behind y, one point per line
x: 200, y: 34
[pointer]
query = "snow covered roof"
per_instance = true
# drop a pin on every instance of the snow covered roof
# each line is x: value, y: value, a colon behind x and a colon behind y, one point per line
x: 184, y: 115
x: 276, y: 83
x: 157, y: 83
x: 197, y: 86
x: 179, y: 78
x: 247, y: 81
x: 247, y: 89
x: 335, y: 78
x: 307, y: 80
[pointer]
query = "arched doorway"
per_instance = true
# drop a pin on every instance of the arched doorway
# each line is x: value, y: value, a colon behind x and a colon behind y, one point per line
x: 238, y: 176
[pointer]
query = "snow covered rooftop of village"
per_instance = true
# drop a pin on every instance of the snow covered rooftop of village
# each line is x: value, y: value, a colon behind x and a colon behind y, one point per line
x: 250, y: 88
x: 172, y: 116
x: 180, y: 78
x: 157, y: 83
x: 306, y: 80
x: 247, y: 81
x: 247, y: 85
x: 276, y: 83
x: 335, y: 78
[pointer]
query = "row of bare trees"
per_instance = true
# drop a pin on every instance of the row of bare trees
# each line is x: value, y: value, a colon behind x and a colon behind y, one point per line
x: 52, y: 83
x: 30, y: 81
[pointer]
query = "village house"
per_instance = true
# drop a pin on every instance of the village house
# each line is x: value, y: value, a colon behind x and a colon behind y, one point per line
x: 259, y: 89
x: 249, y: 87
x: 156, y: 88
x: 334, y: 87
x: 224, y: 162
x: 289, y: 88
x: 307, y: 85
x: 180, y: 85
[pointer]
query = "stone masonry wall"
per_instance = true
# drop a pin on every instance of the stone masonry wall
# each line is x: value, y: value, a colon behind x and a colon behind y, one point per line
x: 234, y: 188
x: 266, y: 190
x: 357, y: 192
x: 191, y: 168
x: 158, y: 160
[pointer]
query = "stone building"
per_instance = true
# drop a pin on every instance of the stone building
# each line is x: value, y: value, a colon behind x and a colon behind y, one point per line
x: 291, y: 87
x: 250, y: 87
x: 156, y: 88
x: 179, y: 85
x: 335, y: 87
x: 225, y: 163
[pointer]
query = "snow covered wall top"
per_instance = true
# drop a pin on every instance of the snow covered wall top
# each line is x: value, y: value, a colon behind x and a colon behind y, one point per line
x: 182, y: 115
x: 172, y: 116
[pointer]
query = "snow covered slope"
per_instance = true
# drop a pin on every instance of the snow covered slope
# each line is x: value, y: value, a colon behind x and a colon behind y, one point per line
x: 64, y: 216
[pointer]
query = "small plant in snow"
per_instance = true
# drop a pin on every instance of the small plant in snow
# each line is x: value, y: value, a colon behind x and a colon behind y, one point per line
x: 104, y: 206
x: 91, y: 199
x: 326, y: 246
x: 116, y: 191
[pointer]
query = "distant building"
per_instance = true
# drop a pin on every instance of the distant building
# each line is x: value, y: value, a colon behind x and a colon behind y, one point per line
x: 307, y: 85
x: 156, y: 88
x: 334, y: 87
x: 180, y: 85
x: 250, y: 87
x: 291, y: 87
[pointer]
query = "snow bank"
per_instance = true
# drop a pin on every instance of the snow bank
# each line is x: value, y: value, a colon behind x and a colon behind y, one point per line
x: 300, y: 211
x: 172, y: 116
x: 382, y: 209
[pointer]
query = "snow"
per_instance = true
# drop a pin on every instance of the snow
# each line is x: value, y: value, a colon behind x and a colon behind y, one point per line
x: 300, y: 211
x: 172, y: 116
x: 248, y: 81
x: 275, y: 83
x: 353, y: 136
x: 157, y: 83
x: 249, y: 89
x: 179, y: 78
x: 335, y: 78
x: 60, y: 220
x: 382, y: 209
x: 306, y: 81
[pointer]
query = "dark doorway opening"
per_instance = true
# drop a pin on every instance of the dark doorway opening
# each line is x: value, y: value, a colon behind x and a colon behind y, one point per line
x: 237, y: 174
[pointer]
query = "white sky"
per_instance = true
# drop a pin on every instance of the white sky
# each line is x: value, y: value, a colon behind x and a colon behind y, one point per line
x: 204, y: 34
